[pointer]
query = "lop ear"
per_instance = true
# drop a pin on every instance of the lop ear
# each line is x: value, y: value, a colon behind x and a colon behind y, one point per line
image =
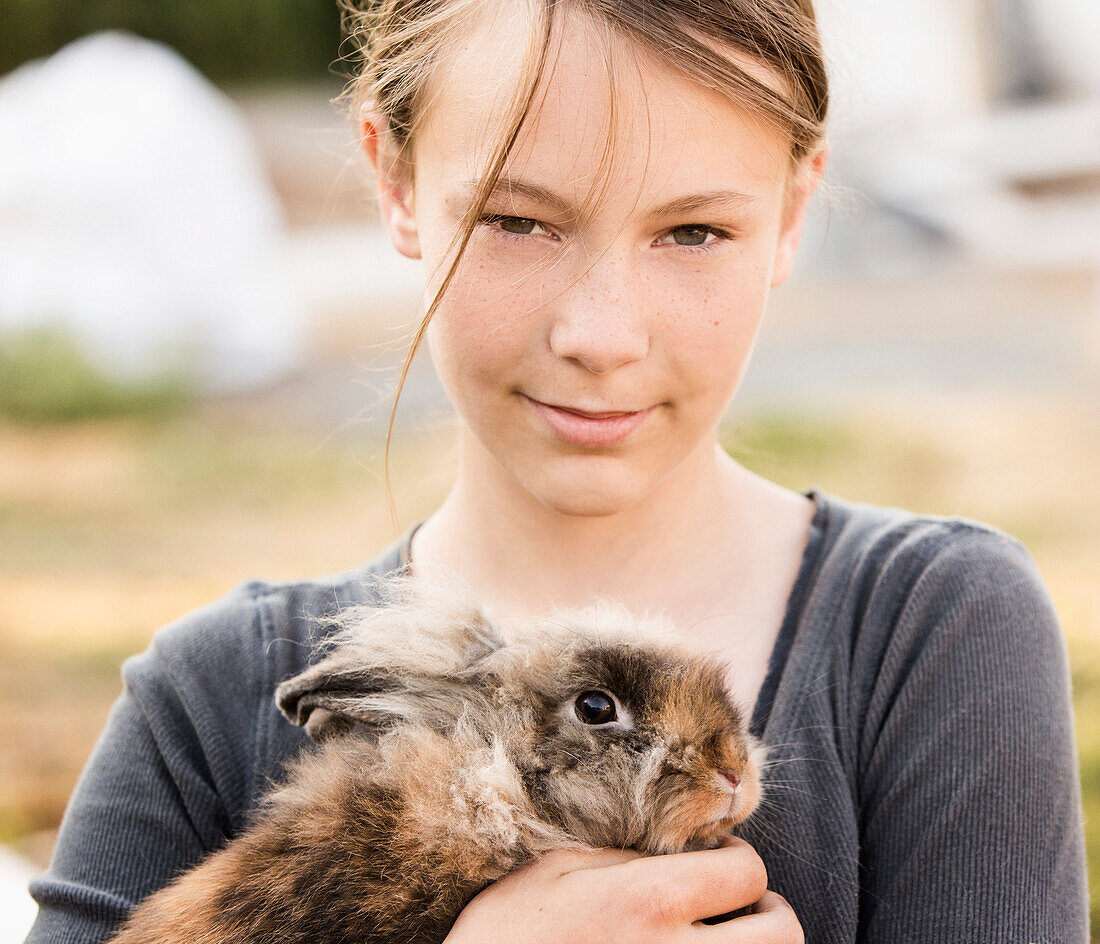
x: 335, y: 696
x: 417, y: 659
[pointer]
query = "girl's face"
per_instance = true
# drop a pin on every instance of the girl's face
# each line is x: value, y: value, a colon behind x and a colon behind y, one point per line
x: 610, y: 295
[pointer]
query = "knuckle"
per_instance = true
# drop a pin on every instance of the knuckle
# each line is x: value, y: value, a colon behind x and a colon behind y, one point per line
x: 663, y: 905
x: 790, y: 926
x: 755, y: 883
x: 749, y: 876
x: 751, y: 857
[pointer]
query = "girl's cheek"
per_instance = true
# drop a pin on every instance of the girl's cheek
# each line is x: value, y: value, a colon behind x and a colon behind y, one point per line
x: 476, y: 339
x: 487, y: 287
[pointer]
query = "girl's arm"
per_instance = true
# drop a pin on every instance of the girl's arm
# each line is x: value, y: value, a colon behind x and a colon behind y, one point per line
x: 169, y: 777
x: 969, y: 795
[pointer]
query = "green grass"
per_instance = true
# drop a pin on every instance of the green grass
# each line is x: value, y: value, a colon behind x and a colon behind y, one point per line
x: 46, y: 378
x: 196, y: 464
x: 840, y: 454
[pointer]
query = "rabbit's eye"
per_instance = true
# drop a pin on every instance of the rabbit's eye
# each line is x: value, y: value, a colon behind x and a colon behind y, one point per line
x: 595, y: 708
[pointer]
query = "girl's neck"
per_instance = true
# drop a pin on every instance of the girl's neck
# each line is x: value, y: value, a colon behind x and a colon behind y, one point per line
x: 679, y: 550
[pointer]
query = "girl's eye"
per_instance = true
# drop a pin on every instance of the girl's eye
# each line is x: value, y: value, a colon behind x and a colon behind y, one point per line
x: 514, y: 225
x: 595, y: 708
x: 693, y: 235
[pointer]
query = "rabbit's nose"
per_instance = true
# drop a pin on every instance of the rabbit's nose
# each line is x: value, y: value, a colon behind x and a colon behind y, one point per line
x: 734, y: 778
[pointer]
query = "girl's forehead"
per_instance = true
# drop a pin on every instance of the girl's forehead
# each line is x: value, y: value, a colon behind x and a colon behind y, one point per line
x: 607, y: 116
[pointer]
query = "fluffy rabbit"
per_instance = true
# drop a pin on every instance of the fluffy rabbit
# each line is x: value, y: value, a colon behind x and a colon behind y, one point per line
x: 451, y: 751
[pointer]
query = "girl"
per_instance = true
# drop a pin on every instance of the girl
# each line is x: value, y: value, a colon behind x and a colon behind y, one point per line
x: 603, y: 194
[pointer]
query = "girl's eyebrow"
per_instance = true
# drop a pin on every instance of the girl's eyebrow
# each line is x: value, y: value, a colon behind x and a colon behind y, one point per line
x: 708, y: 200
x: 511, y: 187
x: 517, y: 187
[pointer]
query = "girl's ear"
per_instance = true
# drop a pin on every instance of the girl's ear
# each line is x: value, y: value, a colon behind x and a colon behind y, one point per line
x: 394, y: 181
x: 804, y: 182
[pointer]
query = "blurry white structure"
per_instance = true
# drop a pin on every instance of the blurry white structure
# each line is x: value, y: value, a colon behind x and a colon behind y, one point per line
x: 17, y: 908
x: 1017, y: 187
x: 974, y: 121
x: 944, y: 59
x: 353, y: 266
x: 1069, y: 32
x: 135, y: 212
x: 894, y: 61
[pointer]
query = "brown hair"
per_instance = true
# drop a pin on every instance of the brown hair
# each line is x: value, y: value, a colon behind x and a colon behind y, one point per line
x: 400, y: 45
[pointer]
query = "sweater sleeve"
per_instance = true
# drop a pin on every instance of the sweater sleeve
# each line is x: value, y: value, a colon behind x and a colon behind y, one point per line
x: 169, y: 778
x: 971, y: 825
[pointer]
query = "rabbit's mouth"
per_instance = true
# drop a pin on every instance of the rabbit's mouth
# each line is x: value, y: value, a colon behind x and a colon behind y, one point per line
x: 707, y: 802
x: 706, y: 813
x: 729, y: 812
x: 737, y: 798
x: 708, y: 829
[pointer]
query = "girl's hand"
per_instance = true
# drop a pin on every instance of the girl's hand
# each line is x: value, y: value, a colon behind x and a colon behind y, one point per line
x: 613, y: 896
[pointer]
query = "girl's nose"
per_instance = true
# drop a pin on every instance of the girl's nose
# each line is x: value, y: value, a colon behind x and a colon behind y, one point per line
x: 600, y: 322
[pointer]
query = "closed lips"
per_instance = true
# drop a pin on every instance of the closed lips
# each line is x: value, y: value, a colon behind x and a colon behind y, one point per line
x: 589, y: 428
x: 587, y: 414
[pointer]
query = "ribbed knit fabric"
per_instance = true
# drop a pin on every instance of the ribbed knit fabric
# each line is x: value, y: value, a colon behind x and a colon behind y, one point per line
x: 924, y: 784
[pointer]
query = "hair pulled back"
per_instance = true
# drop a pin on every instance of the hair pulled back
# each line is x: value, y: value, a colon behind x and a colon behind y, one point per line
x: 399, y: 47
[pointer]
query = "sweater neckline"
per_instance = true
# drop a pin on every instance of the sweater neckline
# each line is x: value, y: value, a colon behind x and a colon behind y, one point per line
x: 807, y: 570
x: 796, y: 602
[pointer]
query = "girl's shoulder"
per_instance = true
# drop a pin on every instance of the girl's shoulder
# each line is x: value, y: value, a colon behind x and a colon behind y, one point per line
x: 920, y: 712
x: 889, y: 592
x: 865, y: 529
x: 206, y: 681
x: 867, y: 551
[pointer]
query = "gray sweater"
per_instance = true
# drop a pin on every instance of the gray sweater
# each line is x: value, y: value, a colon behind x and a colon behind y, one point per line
x: 917, y: 709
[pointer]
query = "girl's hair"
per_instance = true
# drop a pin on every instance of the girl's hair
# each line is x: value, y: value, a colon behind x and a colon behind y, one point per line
x: 400, y: 46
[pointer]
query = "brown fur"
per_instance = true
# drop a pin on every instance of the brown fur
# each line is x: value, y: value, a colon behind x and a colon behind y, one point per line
x: 448, y: 756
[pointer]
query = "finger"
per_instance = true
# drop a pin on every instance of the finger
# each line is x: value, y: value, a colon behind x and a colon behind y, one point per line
x: 772, y: 921
x: 771, y: 903
x: 687, y: 886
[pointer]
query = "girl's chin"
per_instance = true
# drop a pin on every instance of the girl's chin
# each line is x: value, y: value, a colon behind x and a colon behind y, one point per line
x: 584, y: 506
x: 584, y: 492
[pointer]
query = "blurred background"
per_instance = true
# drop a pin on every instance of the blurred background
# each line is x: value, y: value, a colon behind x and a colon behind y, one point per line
x: 201, y: 324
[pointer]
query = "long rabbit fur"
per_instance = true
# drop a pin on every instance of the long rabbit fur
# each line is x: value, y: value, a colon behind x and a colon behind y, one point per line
x: 449, y: 752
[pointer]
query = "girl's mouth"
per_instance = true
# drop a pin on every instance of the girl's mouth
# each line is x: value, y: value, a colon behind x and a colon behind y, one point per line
x: 589, y: 428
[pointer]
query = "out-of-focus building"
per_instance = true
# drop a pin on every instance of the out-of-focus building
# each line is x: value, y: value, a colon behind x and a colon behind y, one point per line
x: 973, y: 124
x: 136, y: 215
